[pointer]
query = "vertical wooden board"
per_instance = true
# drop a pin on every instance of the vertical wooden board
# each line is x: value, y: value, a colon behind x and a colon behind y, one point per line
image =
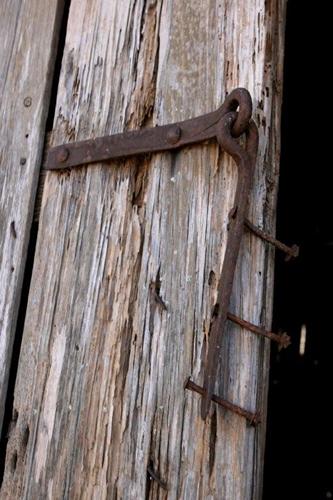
x: 28, y: 33
x: 128, y: 259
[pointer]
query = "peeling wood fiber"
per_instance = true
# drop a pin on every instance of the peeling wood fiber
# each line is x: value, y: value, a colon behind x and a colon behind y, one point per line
x: 128, y: 260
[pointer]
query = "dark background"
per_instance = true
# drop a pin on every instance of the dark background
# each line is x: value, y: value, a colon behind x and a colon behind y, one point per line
x: 299, y: 445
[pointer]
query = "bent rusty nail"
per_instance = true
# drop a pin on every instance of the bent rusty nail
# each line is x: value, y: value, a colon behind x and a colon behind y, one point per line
x: 282, y: 339
x: 156, y: 478
x: 252, y: 418
x: 152, y: 140
x: 245, y: 161
x: 291, y: 252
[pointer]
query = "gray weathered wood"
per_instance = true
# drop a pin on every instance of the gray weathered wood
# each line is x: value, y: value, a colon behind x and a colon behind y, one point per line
x: 28, y: 33
x: 100, y: 394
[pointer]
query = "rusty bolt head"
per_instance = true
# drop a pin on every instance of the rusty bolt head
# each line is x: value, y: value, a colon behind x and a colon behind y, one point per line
x: 174, y: 134
x: 62, y: 155
x: 27, y: 102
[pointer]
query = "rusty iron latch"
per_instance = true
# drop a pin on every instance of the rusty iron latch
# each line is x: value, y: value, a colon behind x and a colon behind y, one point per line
x: 225, y: 125
x: 156, y: 139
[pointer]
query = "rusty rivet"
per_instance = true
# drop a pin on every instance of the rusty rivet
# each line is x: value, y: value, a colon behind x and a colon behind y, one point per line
x: 174, y: 134
x: 23, y: 161
x: 62, y: 155
x: 27, y: 102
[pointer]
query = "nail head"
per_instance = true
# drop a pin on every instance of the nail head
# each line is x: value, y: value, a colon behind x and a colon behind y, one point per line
x: 27, y: 102
x: 174, y: 134
x: 62, y: 155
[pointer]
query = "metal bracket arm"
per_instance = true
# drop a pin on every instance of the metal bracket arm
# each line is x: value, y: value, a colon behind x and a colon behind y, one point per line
x: 152, y: 140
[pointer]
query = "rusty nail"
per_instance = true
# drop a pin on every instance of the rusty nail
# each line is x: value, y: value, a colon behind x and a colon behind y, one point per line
x: 294, y: 253
x: 62, y: 155
x: 156, y: 478
x: 174, y: 134
x: 252, y: 418
x: 289, y: 251
x: 27, y: 102
x: 283, y: 340
x: 23, y: 161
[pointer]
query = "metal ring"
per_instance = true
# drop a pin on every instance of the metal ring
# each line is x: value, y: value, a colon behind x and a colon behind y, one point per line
x: 240, y: 98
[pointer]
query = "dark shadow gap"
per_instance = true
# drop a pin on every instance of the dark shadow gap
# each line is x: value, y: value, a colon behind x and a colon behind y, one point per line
x: 299, y: 438
x: 57, y: 66
x: 16, y: 348
x: 30, y: 258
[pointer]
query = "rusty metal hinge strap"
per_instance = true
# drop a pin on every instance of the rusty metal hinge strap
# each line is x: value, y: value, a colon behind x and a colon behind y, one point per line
x: 152, y: 140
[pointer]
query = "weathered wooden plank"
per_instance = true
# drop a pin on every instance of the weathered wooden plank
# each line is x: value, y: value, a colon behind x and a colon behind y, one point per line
x: 100, y: 394
x: 28, y: 33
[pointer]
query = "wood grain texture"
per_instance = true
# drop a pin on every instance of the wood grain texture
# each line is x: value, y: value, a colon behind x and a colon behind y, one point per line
x: 28, y: 34
x: 128, y: 259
